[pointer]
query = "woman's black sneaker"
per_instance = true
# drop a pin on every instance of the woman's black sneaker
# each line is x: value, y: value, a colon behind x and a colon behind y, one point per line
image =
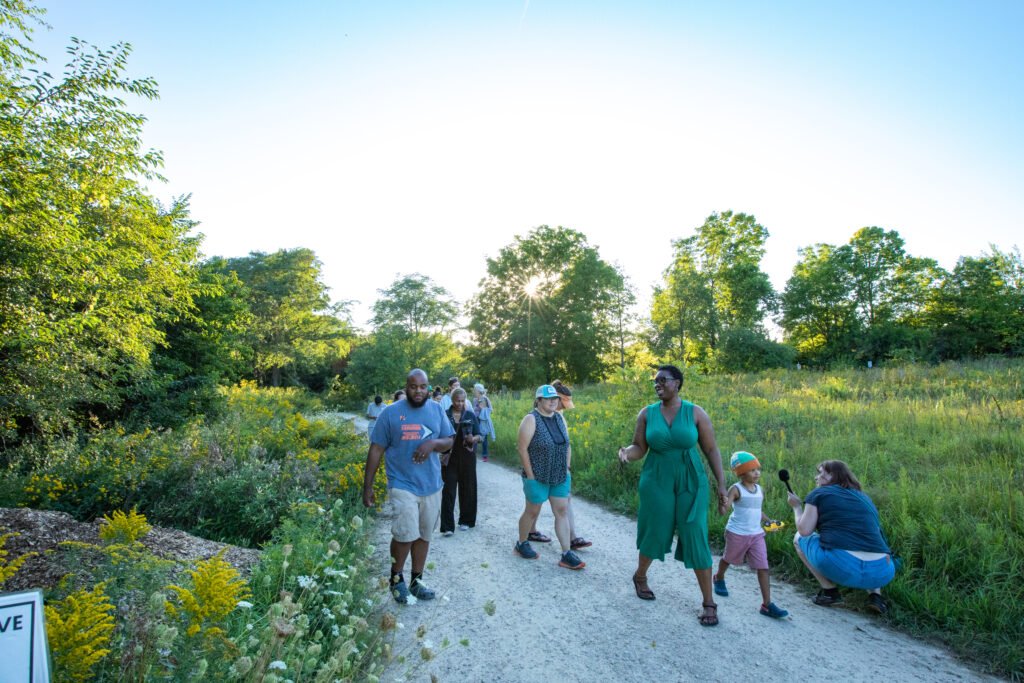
x: 876, y: 603
x: 828, y: 597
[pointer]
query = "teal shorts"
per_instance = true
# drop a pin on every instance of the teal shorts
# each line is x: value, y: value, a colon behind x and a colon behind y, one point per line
x: 537, y: 492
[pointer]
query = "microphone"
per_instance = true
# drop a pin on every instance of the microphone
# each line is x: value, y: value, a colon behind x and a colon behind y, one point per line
x: 784, y: 477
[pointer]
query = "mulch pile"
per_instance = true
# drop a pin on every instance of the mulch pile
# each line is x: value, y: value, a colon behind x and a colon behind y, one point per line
x: 43, y: 530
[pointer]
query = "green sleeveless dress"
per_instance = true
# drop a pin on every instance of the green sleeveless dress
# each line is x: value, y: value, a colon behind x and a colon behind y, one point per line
x: 673, y: 491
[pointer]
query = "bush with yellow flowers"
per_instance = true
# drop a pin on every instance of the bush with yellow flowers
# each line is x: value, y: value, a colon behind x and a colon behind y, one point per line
x: 9, y: 568
x: 232, y: 479
x: 216, y: 590
x: 79, y: 629
x: 121, y: 528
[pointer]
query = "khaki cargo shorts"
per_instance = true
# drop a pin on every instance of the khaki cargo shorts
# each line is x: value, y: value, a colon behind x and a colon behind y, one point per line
x: 415, y: 516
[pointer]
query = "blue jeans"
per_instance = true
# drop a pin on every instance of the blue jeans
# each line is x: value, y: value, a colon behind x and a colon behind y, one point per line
x: 843, y: 568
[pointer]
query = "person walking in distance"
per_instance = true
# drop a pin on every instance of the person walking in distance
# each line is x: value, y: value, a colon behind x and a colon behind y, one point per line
x: 408, y: 436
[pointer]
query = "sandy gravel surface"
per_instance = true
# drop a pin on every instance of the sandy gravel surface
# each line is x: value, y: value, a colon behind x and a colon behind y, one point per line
x: 555, y: 624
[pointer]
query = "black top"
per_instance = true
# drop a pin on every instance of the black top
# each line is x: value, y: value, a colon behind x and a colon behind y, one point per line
x: 549, y: 449
x: 467, y: 426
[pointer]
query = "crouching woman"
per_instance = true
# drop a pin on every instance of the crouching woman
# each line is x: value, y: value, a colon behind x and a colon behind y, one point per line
x: 839, y: 537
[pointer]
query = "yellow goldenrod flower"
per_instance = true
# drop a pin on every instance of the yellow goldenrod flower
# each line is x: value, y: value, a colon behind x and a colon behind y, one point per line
x: 78, y: 629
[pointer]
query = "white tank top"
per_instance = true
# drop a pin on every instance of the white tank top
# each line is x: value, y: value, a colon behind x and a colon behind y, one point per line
x: 746, y: 512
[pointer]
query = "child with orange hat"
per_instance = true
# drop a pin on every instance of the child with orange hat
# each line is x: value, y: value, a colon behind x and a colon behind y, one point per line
x: 744, y: 535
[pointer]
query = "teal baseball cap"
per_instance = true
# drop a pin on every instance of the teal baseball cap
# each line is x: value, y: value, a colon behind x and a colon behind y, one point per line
x: 546, y: 391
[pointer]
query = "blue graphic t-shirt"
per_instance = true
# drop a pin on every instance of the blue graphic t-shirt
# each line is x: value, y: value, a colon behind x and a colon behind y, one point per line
x: 400, y: 429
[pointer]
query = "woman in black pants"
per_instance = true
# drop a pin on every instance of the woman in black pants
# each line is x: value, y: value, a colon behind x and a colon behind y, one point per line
x: 459, y: 473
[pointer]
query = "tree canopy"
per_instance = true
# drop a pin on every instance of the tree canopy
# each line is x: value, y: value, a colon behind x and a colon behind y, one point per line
x: 545, y: 310
x: 92, y: 267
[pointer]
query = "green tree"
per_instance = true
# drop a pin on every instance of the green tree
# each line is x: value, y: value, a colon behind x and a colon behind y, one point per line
x: 379, y: 363
x: 623, y: 317
x: 545, y: 310
x: 416, y: 303
x: 91, y: 266
x: 295, y: 327
x: 979, y: 308
x: 714, y: 283
x: 682, y: 309
x: 212, y: 340
x: 818, y: 314
x: 864, y: 299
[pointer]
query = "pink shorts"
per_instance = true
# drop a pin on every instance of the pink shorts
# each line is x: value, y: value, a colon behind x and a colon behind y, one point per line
x: 738, y: 547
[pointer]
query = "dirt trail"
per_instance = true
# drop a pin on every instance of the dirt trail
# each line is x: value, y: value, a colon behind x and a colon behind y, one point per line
x: 554, y: 624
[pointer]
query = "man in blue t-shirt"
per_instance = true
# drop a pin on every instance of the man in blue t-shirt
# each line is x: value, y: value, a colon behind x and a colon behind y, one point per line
x: 408, y: 435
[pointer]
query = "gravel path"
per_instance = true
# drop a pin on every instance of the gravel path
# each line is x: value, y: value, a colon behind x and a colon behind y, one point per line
x: 551, y: 623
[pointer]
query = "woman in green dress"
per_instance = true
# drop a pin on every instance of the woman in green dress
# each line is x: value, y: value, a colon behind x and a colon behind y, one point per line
x: 674, y: 487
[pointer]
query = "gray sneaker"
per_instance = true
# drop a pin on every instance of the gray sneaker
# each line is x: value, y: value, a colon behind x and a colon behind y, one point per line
x: 570, y: 560
x: 525, y: 551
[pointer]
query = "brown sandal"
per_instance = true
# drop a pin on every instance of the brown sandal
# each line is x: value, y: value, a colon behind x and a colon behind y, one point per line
x: 643, y: 591
x: 709, y: 619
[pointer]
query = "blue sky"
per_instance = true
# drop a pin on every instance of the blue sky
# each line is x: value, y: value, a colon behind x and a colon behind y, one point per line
x: 393, y: 137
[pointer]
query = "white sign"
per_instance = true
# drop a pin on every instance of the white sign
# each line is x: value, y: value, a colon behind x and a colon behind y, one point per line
x: 23, y: 649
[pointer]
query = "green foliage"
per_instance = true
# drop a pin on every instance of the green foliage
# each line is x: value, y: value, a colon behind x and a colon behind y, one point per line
x: 745, y: 350
x: 232, y: 479
x: 92, y: 267
x: 410, y: 322
x: 937, y: 448
x: 307, y: 604
x: 864, y: 300
x: 544, y: 310
x: 415, y: 303
x: 817, y: 314
x: 714, y: 283
x: 979, y: 308
x: 294, y: 326
x: 380, y: 363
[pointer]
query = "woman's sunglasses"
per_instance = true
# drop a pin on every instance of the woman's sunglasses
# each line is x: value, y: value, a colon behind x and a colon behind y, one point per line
x: 661, y: 381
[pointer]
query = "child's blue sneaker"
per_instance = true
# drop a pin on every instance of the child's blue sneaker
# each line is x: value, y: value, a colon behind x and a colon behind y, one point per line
x: 720, y: 588
x: 401, y: 592
x: 420, y: 591
x: 771, y: 610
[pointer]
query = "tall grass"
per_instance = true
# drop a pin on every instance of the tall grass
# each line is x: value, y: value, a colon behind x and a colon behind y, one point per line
x: 939, y: 449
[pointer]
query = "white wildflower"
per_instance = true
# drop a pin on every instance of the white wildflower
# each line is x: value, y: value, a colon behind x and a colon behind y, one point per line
x: 277, y: 664
x: 306, y: 582
x: 244, y: 604
x: 327, y: 613
x: 334, y: 631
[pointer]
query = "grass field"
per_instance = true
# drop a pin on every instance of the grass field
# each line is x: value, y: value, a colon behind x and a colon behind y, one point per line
x: 940, y: 449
